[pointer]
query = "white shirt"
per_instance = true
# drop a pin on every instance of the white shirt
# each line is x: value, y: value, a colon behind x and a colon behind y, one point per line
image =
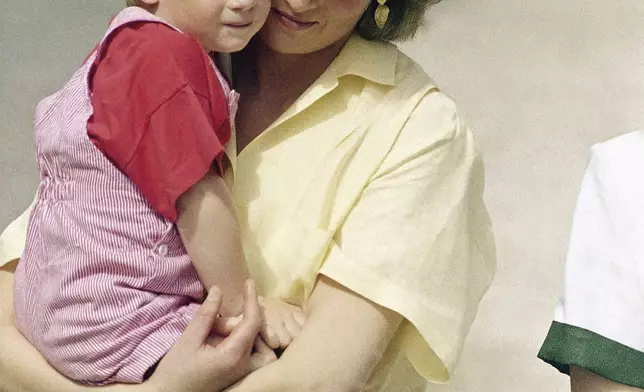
x: 600, y: 318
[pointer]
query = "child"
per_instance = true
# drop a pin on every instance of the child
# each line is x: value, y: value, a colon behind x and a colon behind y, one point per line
x: 133, y: 218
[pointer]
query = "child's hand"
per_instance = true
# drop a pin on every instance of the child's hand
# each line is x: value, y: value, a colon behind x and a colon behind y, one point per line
x: 282, y: 322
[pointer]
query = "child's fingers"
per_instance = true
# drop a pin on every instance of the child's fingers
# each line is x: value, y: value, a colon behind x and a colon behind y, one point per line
x: 261, y: 347
x: 299, y: 317
x: 243, y: 337
x: 292, y: 327
x: 283, y: 335
x: 269, y: 336
x: 199, y: 328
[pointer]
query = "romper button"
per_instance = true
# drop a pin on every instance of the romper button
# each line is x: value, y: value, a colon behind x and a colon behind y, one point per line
x: 162, y: 250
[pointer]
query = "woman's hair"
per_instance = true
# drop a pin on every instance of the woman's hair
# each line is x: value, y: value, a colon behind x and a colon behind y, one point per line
x: 405, y: 18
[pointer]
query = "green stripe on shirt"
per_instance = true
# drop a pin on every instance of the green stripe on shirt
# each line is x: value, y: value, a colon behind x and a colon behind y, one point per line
x: 568, y: 345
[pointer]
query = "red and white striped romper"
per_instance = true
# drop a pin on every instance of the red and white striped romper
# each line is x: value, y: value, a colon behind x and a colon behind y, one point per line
x: 105, y: 286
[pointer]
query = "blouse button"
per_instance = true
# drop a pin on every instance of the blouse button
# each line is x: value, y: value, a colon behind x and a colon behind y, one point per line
x: 162, y: 250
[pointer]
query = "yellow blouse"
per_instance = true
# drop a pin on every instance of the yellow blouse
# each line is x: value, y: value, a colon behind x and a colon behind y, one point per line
x: 371, y: 179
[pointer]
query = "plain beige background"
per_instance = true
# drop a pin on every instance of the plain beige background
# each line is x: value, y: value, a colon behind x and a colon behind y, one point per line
x: 539, y: 81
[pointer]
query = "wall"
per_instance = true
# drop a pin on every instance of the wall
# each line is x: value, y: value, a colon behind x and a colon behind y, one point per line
x: 538, y: 81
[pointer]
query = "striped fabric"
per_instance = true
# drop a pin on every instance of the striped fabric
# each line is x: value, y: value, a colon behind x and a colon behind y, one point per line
x: 105, y: 286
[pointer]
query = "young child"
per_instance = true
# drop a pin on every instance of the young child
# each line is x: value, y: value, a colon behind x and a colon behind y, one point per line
x: 133, y: 218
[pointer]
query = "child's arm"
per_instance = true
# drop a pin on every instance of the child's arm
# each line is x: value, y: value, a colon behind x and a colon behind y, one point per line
x: 208, y: 227
x: 207, y: 224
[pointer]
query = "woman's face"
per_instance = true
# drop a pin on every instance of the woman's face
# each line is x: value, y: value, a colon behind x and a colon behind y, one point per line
x: 306, y: 26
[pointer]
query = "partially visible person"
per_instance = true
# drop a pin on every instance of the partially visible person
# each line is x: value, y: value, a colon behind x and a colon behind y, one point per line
x: 597, y: 336
x: 360, y: 194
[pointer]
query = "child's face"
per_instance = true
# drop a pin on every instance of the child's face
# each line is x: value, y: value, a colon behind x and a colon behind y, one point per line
x: 219, y: 25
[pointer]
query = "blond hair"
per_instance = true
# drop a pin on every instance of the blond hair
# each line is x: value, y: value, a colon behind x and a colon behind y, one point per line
x: 132, y: 3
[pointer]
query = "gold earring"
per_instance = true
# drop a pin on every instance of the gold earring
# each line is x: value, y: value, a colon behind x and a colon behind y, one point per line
x: 382, y: 14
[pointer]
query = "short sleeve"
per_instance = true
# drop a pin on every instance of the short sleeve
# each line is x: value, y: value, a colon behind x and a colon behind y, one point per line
x: 177, y: 150
x: 598, y: 322
x: 14, y: 237
x: 419, y: 240
x: 160, y: 112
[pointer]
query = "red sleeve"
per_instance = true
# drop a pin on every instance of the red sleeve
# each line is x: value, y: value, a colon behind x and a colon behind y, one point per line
x: 160, y: 113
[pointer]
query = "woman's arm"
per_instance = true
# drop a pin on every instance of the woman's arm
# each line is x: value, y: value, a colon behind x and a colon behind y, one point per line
x: 581, y: 380
x: 343, y: 340
x: 6, y: 292
x: 22, y: 368
x: 416, y: 245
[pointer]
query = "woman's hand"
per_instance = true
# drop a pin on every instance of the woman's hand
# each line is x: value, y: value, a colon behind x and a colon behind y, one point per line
x: 343, y: 341
x: 201, y: 361
x: 197, y: 362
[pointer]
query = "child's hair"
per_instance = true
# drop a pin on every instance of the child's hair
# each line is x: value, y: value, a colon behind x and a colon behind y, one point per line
x: 131, y: 3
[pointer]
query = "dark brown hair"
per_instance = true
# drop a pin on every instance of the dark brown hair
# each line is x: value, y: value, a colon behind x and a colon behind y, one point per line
x: 405, y: 18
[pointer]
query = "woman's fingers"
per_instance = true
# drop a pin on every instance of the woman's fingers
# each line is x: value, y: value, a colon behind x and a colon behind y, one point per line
x: 226, y: 325
x: 199, y: 328
x: 242, y: 338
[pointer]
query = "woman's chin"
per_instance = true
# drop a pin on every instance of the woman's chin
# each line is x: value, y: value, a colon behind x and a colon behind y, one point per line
x: 287, y: 43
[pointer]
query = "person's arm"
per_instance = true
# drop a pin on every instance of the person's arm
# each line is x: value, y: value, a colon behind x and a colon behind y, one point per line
x: 416, y: 246
x: 581, y: 380
x: 22, y: 368
x: 343, y: 340
x: 598, y: 321
x: 207, y: 223
x: 6, y: 292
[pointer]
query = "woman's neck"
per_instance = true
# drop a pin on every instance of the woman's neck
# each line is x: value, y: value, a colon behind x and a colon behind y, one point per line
x: 259, y: 69
x: 270, y: 82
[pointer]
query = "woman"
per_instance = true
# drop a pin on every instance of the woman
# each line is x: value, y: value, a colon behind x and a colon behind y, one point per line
x: 360, y: 199
x: 598, y: 336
